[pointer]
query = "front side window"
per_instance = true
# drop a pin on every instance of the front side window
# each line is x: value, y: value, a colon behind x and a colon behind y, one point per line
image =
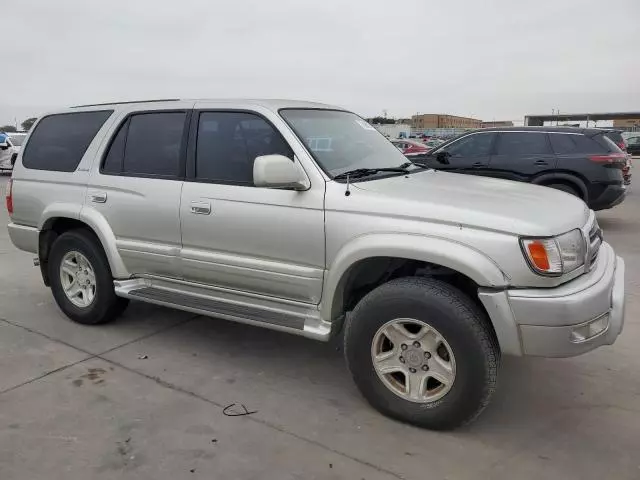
x: 471, y: 145
x: 147, y: 144
x: 229, y: 142
x: 59, y: 141
x: 342, y: 141
x: 523, y: 143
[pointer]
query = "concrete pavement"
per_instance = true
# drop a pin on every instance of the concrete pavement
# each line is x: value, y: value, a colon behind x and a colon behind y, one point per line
x: 144, y: 397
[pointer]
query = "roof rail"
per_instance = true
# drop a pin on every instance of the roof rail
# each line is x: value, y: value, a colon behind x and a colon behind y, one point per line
x: 130, y: 101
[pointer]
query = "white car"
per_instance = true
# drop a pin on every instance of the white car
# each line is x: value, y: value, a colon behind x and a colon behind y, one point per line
x: 9, y: 148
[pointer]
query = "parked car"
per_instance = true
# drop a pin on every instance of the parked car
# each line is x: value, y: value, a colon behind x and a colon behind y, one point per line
x: 582, y: 162
x: 633, y: 145
x: 301, y: 217
x: 617, y: 138
x: 410, y: 147
x: 10, y: 144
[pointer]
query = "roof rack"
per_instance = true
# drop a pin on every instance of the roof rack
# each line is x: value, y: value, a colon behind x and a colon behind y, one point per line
x: 130, y: 101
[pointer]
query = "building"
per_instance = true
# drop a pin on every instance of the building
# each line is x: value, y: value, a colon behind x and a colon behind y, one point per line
x: 497, y: 123
x: 627, y: 123
x: 437, y: 120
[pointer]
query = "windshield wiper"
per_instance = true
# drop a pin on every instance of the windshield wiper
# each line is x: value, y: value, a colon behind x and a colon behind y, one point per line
x: 416, y: 164
x: 365, y: 172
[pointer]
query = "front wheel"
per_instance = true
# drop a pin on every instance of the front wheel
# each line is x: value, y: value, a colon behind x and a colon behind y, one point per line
x: 81, y: 279
x: 421, y: 351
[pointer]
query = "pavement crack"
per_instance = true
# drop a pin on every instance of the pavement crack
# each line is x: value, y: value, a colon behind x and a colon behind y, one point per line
x: 44, y: 375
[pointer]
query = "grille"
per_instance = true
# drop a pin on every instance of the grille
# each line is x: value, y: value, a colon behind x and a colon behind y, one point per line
x: 595, y: 240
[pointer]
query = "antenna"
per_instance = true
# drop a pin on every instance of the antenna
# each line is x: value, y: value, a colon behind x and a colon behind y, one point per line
x: 347, y: 192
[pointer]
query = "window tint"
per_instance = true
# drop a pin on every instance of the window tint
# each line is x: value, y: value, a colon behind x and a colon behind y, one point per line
x: 523, y: 143
x: 472, y: 145
x: 59, y: 142
x: 564, y: 144
x: 633, y: 141
x: 607, y: 144
x: 229, y: 142
x: 153, y: 144
x: 113, y: 160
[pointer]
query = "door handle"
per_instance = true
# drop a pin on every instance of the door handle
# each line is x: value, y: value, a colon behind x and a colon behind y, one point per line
x: 201, y: 208
x: 477, y: 165
x: 98, y: 197
x: 541, y: 162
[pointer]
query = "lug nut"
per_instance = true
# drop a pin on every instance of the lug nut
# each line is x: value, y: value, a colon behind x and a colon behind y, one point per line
x: 416, y: 344
x: 427, y: 355
x: 401, y: 359
x: 403, y: 346
x: 412, y: 370
x: 425, y: 367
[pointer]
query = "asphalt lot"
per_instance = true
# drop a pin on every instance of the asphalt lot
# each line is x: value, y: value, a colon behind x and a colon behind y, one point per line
x: 144, y: 398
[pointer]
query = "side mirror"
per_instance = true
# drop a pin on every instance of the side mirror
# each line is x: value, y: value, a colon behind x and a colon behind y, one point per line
x: 4, y: 145
x: 443, y: 157
x: 278, y: 171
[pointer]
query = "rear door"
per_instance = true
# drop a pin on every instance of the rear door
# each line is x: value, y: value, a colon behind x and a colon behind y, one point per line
x: 522, y: 155
x: 470, y: 154
x: 137, y: 189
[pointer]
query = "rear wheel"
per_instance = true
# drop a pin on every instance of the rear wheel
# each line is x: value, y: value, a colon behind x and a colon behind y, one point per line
x: 420, y: 351
x: 81, y: 280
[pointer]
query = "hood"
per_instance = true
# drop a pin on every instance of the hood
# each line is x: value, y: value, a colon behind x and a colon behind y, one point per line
x: 479, y: 202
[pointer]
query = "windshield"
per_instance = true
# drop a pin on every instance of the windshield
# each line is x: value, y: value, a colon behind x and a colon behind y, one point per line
x: 17, y: 139
x: 342, y: 141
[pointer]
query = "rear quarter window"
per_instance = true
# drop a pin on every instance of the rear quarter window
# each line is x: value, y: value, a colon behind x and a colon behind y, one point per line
x: 59, y: 141
x: 567, y: 144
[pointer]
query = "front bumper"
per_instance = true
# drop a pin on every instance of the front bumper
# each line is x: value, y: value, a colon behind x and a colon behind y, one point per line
x: 543, y: 322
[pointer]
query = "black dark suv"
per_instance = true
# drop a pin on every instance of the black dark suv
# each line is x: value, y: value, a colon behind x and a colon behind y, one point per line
x: 580, y: 161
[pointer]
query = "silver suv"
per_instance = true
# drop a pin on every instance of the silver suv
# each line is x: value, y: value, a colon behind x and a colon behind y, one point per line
x: 302, y: 218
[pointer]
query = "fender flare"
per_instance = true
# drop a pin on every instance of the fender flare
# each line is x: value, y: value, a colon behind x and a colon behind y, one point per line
x: 550, y: 177
x: 96, y: 222
x: 100, y: 226
x: 441, y: 251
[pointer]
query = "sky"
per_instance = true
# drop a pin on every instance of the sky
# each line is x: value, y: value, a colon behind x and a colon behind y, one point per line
x: 491, y: 59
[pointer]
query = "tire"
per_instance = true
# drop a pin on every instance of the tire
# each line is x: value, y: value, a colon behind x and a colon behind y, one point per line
x: 104, y: 306
x: 464, y: 328
x: 565, y: 188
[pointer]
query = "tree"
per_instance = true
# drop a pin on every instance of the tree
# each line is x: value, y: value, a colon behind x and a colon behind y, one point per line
x: 28, y: 123
x: 8, y: 128
x: 381, y: 121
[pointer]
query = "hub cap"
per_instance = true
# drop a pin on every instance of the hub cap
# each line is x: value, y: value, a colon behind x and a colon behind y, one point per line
x: 413, y: 360
x: 78, y: 279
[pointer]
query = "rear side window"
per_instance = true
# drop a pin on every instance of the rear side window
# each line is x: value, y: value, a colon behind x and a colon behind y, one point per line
x: 567, y: 144
x: 517, y: 143
x: 147, y: 144
x: 59, y: 142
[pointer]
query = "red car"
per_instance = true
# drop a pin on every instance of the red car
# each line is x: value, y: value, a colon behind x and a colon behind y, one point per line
x: 410, y: 147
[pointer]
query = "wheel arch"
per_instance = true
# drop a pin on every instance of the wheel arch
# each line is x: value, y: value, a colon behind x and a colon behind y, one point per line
x: 59, y: 219
x: 565, y: 178
x: 427, y: 251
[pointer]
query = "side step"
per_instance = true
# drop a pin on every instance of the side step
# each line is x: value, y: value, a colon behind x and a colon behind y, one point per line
x: 265, y: 312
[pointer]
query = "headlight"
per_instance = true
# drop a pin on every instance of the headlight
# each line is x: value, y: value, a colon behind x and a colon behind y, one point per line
x: 556, y: 255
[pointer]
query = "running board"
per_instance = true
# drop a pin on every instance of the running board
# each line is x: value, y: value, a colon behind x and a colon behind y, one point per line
x: 261, y: 311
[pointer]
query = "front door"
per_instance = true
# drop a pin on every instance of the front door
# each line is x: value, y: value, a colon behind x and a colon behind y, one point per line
x: 241, y: 237
x: 138, y: 190
x: 469, y: 154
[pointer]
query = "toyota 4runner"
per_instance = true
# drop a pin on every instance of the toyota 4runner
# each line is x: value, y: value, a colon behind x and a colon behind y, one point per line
x: 302, y: 218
